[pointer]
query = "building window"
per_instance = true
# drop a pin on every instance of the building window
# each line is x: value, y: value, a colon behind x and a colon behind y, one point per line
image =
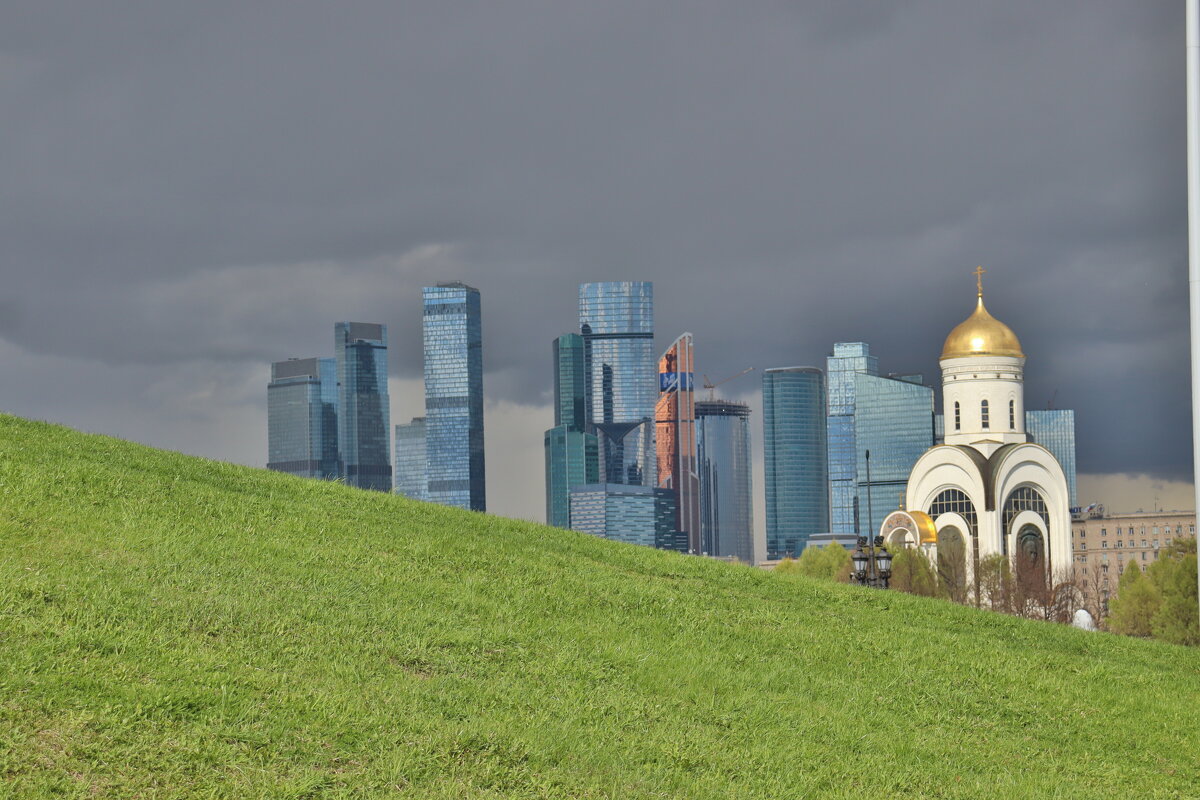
x: 1167, y: 541
x: 1156, y: 544
x: 1118, y: 544
x: 1104, y: 531
x: 983, y: 414
x: 1155, y: 530
x: 1012, y: 415
x: 957, y: 417
x: 1143, y: 542
x: 1104, y: 545
x: 1143, y: 555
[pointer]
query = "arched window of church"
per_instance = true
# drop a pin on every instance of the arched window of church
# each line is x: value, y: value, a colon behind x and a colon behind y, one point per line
x: 957, y: 417
x: 983, y: 414
x: 1012, y: 415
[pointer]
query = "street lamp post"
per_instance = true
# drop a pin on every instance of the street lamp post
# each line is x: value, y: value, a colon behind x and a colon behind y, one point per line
x: 871, y: 567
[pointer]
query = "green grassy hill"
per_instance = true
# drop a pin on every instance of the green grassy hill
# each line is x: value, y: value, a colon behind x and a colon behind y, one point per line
x: 175, y: 627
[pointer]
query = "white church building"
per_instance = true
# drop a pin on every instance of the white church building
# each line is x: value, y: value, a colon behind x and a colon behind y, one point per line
x: 987, y: 489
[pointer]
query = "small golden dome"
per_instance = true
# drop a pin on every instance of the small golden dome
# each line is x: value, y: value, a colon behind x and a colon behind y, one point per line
x: 981, y: 334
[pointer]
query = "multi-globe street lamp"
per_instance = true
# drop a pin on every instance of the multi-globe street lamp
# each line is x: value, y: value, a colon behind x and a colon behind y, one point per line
x: 871, y: 567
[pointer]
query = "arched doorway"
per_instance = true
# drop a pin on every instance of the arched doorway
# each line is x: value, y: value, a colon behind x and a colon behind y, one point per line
x: 1029, y: 564
x: 952, y: 563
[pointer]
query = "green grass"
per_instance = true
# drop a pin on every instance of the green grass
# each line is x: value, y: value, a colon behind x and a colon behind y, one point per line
x: 175, y: 627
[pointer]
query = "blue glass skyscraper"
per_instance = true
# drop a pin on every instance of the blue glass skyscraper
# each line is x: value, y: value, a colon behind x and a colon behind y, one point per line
x: 726, y: 499
x: 302, y: 435
x: 411, y: 460
x: 795, y: 458
x: 1054, y: 429
x: 642, y: 515
x: 363, y: 405
x: 892, y: 417
x: 616, y: 319
x: 571, y: 452
x: 454, y: 395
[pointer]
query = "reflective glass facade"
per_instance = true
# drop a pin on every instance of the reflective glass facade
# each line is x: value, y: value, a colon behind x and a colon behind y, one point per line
x: 726, y: 496
x: 1054, y: 429
x: 364, y: 450
x: 454, y: 395
x: 410, y: 460
x: 572, y: 454
x: 848, y: 359
x: 616, y: 319
x: 641, y: 515
x: 890, y: 416
x: 571, y: 460
x: 894, y: 420
x: 570, y: 382
x: 675, y: 437
x: 302, y: 418
x: 795, y: 458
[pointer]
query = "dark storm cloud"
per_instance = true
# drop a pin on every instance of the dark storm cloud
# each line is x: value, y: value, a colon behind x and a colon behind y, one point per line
x: 201, y: 184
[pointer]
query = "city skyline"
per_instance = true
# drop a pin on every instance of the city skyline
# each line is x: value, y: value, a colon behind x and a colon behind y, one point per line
x: 799, y: 196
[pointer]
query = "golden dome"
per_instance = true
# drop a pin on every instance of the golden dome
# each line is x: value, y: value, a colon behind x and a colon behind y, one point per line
x: 981, y: 334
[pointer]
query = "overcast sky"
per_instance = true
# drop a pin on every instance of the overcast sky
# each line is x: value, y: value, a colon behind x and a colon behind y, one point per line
x: 191, y: 191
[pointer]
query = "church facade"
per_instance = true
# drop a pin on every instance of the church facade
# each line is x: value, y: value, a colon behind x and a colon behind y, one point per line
x: 987, y: 489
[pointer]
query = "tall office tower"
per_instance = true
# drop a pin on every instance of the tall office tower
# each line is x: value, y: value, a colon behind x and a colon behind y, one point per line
x: 795, y: 458
x: 570, y: 382
x: 726, y: 496
x: 571, y: 453
x: 302, y: 435
x: 642, y: 515
x: 410, y: 460
x: 454, y: 395
x: 675, y: 436
x: 1054, y: 429
x: 616, y: 319
x: 363, y: 406
x: 892, y: 417
x: 571, y: 460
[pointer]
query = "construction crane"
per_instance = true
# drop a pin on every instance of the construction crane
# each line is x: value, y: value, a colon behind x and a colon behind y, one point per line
x: 708, y: 384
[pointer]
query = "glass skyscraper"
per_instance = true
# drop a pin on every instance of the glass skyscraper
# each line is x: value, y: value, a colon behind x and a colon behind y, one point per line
x: 363, y: 405
x: 410, y: 460
x: 1054, y: 429
x: 572, y: 456
x: 892, y: 417
x: 642, y: 515
x: 302, y: 435
x: 571, y: 460
x: 570, y: 381
x: 616, y: 319
x: 675, y: 420
x: 454, y: 395
x: 726, y: 497
x: 795, y: 458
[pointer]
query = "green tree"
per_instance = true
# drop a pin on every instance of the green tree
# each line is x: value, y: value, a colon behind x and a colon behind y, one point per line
x: 1136, y: 603
x: 912, y: 573
x: 1174, y: 574
x: 996, y: 582
x: 787, y: 566
x: 827, y: 562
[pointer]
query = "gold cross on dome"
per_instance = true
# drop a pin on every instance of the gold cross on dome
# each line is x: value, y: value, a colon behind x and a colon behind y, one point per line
x: 978, y: 273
